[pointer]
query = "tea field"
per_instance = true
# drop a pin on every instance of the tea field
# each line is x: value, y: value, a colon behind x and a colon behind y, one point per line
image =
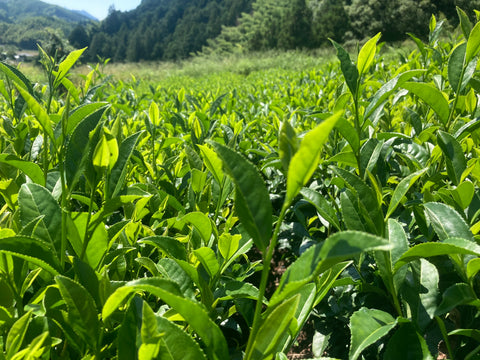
x: 331, y: 207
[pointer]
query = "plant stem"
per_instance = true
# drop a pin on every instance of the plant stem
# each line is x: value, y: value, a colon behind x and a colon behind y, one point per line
x: 263, y: 283
x: 455, y: 101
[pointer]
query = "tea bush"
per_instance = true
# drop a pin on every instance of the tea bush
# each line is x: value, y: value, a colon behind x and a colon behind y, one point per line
x: 145, y: 224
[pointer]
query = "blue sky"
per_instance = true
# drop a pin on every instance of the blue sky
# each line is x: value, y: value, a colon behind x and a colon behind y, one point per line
x: 97, y: 8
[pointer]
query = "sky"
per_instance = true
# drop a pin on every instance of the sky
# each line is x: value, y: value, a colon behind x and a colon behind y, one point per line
x: 97, y: 8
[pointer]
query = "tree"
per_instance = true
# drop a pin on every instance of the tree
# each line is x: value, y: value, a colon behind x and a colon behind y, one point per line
x: 79, y: 38
x: 329, y: 21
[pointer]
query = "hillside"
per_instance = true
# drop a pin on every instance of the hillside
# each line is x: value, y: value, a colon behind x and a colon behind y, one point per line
x: 162, y: 29
x: 24, y: 23
x: 17, y: 10
x: 176, y: 29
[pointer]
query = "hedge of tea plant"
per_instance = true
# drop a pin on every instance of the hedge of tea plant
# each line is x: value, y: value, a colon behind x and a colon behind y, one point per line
x: 147, y: 224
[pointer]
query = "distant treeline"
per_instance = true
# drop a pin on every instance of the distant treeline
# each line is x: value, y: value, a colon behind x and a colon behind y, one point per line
x: 175, y: 29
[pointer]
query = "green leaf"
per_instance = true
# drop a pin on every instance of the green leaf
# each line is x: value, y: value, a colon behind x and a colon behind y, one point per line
x: 106, y: 152
x: 368, y: 326
x: 67, y: 64
x: 456, y: 295
x: 447, y: 247
x: 387, y: 89
x: 349, y: 133
x: 119, y: 170
x: 177, y: 344
x: 154, y: 114
x: 16, y: 76
x: 33, y: 250
x: 454, y: 156
x: 322, y: 205
x: 369, y: 207
x: 447, y: 222
x: 401, y: 190
x: 16, y: 335
x: 336, y: 248
x: 79, y: 147
x: 168, y: 245
x: 194, y: 314
x: 473, y: 43
x: 407, y: 343
x: 473, y: 267
x: 367, y: 54
x: 32, y: 170
x: 432, y: 97
x: 252, y: 204
x: 208, y: 259
x: 465, y: 23
x: 472, y: 333
x: 80, y: 113
x: 212, y: 162
x: 349, y: 70
x: 350, y: 213
x: 428, y: 294
x: 228, y: 245
x: 82, y: 312
x: 182, y: 273
x: 38, y: 110
x: 127, y: 333
x: 287, y: 144
x: 233, y: 289
x: 37, y: 202
x: 272, y: 329
x: 455, y: 65
x: 306, y: 159
x: 201, y: 223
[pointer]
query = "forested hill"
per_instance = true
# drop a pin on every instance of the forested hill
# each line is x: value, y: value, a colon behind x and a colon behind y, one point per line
x: 174, y: 29
x: 26, y: 23
x: 13, y: 11
x: 161, y: 29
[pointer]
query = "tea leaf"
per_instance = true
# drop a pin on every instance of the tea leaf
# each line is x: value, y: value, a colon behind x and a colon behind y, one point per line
x: 473, y: 43
x: 212, y: 162
x: 323, y: 207
x: 82, y: 312
x: 368, y: 326
x: 456, y: 295
x: 401, y: 190
x: 167, y: 245
x: 367, y: 54
x: 349, y: 70
x: 33, y: 250
x: 455, y: 65
x: 465, y: 23
x: 67, y: 64
x: 32, y: 170
x: 448, y: 247
x: 273, y: 329
x: 176, y: 343
x: 79, y: 146
x: 208, y: 259
x: 432, y: 96
x: 191, y: 311
x: 407, y: 343
x: 447, y: 222
x: 119, y: 170
x: 454, y: 156
x: 306, y: 159
x: 38, y: 110
x: 37, y: 202
x: 16, y: 335
x: 252, y: 200
x: 388, y: 88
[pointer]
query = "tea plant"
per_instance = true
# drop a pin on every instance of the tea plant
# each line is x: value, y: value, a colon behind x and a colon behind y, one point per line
x: 142, y: 222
